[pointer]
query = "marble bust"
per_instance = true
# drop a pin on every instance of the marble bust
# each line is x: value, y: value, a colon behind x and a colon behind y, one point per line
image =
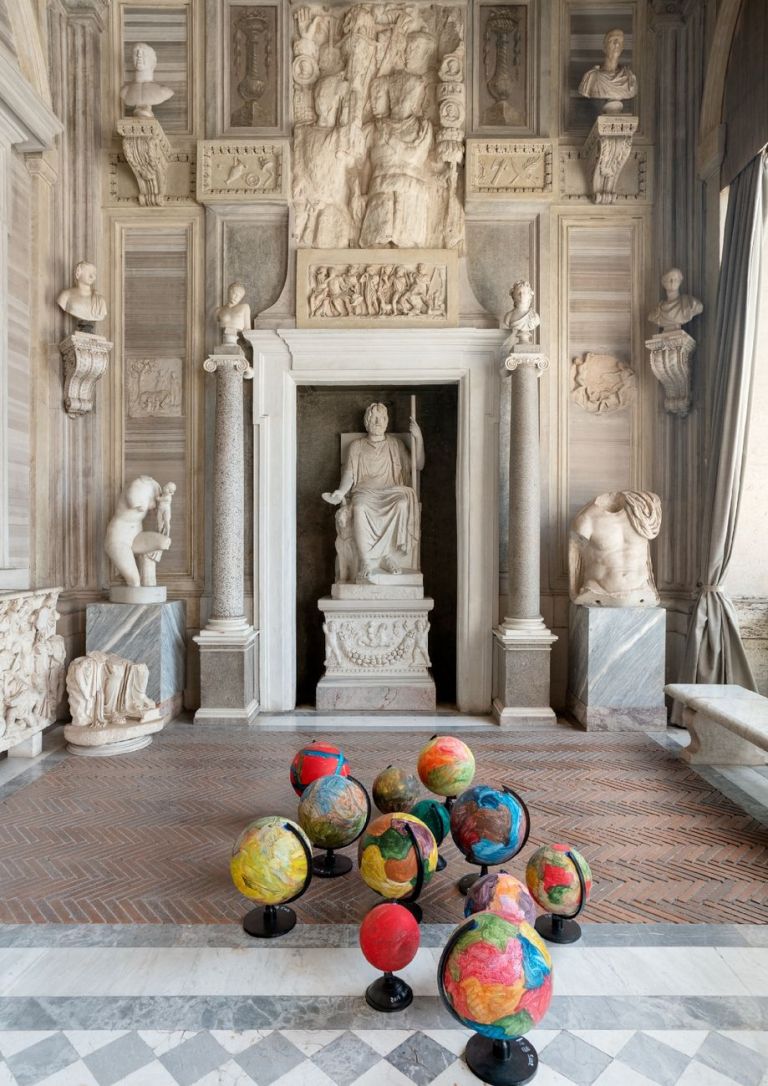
x: 609, y: 561
x: 384, y: 527
x: 126, y: 541
x: 235, y: 315
x: 522, y: 320
x: 610, y: 80
x: 142, y: 92
x: 82, y: 300
x: 676, y: 309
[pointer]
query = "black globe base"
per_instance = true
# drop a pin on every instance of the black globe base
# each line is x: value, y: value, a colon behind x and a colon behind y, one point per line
x: 389, y: 993
x: 558, y: 929
x: 449, y: 801
x: 413, y: 908
x: 501, y: 1063
x: 269, y: 921
x: 442, y: 863
x: 467, y: 881
x: 330, y: 865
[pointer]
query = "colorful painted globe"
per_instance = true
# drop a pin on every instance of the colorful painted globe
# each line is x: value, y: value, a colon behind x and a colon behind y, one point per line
x: 387, y: 857
x: 389, y: 936
x: 446, y: 766
x: 333, y: 811
x: 395, y: 790
x: 268, y: 861
x: 553, y: 881
x: 496, y: 976
x: 316, y: 760
x: 488, y: 825
x: 435, y: 815
x: 501, y: 893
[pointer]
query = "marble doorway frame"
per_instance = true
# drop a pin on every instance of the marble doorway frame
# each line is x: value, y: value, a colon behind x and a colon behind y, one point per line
x: 286, y: 358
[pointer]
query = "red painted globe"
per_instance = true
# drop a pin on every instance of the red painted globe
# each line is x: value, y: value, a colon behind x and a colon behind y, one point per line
x: 389, y: 937
x: 554, y: 881
x: 314, y: 761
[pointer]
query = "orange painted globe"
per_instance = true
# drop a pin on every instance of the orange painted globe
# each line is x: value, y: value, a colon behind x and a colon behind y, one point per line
x: 446, y: 766
x: 389, y: 936
x: 553, y: 881
x: 387, y: 857
x: 271, y: 860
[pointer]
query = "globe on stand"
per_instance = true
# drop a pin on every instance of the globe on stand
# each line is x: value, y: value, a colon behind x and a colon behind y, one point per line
x: 389, y: 939
x: 495, y: 977
x: 560, y: 881
x: 446, y: 767
x: 434, y: 815
x: 501, y: 893
x: 333, y: 812
x: 490, y: 826
x: 271, y: 863
x: 316, y: 760
x: 397, y: 855
x: 395, y: 790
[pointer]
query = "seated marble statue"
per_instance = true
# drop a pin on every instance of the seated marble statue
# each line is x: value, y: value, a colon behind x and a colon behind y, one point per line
x: 142, y: 92
x: 81, y: 300
x: 385, y: 512
x: 235, y: 315
x: 676, y: 309
x: 609, y: 80
x: 125, y: 540
x: 609, y: 560
x: 522, y: 320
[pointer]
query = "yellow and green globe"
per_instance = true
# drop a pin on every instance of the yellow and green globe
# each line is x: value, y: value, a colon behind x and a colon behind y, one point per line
x: 388, y: 860
x: 269, y: 863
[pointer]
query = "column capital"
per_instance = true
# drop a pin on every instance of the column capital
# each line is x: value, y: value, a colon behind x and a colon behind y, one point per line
x: 234, y: 361
x: 539, y: 362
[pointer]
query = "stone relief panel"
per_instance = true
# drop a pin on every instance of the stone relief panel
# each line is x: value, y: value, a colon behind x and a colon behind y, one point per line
x: 501, y: 67
x: 634, y: 184
x: 241, y: 171
x: 602, y: 383
x: 154, y: 388
x: 379, y: 114
x: 409, y: 290
x: 168, y: 30
x: 507, y: 168
x: 123, y: 188
x: 375, y: 643
x: 253, y: 65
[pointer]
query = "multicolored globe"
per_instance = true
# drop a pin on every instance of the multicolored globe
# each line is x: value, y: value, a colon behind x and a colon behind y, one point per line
x: 389, y: 936
x: 496, y: 976
x: 271, y: 860
x: 387, y: 857
x: 488, y: 825
x: 446, y: 766
x: 316, y: 760
x: 553, y: 881
x: 395, y: 790
x: 333, y: 811
x: 435, y: 815
x: 501, y: 893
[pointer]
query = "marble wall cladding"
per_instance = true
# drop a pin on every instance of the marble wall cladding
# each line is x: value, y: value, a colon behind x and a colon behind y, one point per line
x: 252, y: 66
x: 167, y: 30
x: 150, y: 633
x: 501, y: 67
x: 499, y: 253
x: 6, y: 30
x: 586, y: 24
x: 19, y: 383
x: 264, y: 277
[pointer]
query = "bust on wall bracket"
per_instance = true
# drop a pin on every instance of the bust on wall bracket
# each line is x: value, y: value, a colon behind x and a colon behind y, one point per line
x: 671, y: 349
x: 85, y: 354
x: 610, y: 139
x: 145, y: 144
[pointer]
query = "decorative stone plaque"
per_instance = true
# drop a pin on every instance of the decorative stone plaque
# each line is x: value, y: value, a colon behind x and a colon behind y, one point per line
x: 507, y: 168
x: 633, y: 184
x: 241, y: 171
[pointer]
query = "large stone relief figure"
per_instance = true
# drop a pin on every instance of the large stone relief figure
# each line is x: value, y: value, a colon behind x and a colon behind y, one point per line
x: 377, y: 524
x: 379, y: 115
x: 609, y: 560
x: 32, y: 667
x: 127, y: 544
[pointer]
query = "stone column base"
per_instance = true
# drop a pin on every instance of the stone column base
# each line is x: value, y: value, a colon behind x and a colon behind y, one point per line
x: 228, y: 687
x: 521, y: 664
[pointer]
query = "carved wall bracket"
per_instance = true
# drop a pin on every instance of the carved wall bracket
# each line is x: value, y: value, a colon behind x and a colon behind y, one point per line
x: 85, y: 358
x: 148, y: 153
x: 671, y: 354
x: 609, y: 144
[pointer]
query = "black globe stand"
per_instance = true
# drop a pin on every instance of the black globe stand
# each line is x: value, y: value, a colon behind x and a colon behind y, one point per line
x: 442, y: 863
x: 501, y: 1063
x: 389, y: 993
x: 563, y: 929
x: 467, y: 881
x: 331, y: 865
x: 271, y: 921
x: 409, y: 902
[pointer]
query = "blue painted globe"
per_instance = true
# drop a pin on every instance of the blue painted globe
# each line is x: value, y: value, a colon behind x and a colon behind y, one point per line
x: 488, y: 825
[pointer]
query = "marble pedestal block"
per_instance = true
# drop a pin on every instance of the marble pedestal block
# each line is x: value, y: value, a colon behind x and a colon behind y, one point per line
x: 376, y: 654
x: 521, y: 677
x: 228, y: 688
x: 616, y: 667
x: 145, y: 633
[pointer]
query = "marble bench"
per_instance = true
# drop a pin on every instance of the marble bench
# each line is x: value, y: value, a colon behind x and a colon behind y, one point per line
x: 728, y: 724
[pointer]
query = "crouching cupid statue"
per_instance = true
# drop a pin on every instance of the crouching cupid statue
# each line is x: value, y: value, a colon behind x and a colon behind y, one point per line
x: 136, y: 552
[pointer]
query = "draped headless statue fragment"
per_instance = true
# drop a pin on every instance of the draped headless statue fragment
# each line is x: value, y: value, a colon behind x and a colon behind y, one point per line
x: 136, y: 552
x: 109, y: 705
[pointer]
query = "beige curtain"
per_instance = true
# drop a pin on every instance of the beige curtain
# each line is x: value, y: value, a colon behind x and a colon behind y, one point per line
x: 714, y: 652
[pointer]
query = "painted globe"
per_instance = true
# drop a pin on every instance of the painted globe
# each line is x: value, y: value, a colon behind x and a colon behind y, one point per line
x: 501, y: 893
x: 496, y: 976
x: 268, y: 861
x: 488, y: 825
x: 395, y: 790
x: 333, y: 811
x: 446, y: 765
x: 435, y: 815
x: 553, y: 881
x: 387, y: 858
x: 316, y: 760
x: 389, y: 936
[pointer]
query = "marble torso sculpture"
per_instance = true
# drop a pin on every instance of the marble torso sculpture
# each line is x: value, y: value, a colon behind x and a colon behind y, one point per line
x: 378, y: 522
x: 522, y: 320
x: 235, y: 315
x: 676, y: 309
x: 142, y: 93
x: 126, y: 541
x: 82, y: 300
x: 609, y: 561
x: 105, y: 690
x: 610, y: 80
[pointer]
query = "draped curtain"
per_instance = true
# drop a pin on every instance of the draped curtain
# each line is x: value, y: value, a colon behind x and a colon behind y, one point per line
x: 714, y: 652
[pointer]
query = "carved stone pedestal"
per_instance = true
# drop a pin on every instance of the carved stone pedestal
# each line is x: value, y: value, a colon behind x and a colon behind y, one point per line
x: 85, y: 358
x: 148, y: 152
x: 376, y: 653
x: 671, y: 354
x: 609, y: 143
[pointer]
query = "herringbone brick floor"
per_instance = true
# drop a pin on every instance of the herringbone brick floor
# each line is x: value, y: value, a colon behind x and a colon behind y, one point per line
x: 145, y: 838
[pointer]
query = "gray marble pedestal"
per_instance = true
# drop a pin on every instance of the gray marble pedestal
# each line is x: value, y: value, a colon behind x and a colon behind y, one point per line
x: 145, y: 633
x: 616, y: 667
